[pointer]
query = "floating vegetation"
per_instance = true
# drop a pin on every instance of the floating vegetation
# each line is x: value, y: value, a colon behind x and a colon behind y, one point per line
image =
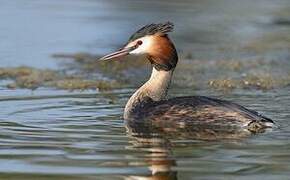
x: 81, y: 71
x: 224, y: 84
x: 227, y: 75
x: 26, y: 77
x: 258, y: 73
x: 82, y: 84
x: 87, y: 62
x: 32, y: 78
x: 260, y: 82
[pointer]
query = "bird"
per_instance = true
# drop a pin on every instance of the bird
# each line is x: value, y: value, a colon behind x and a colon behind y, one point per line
x: 149, y: 104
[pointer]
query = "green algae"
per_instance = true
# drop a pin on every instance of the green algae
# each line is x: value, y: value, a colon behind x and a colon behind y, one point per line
x: 228, y: 75
x: 264, y: 82
x: 88, y: 73
x: 83, y: 84
x: 27, y: 77
x: 89, y: 62
x: 255, y: 78
x: 32, y: 78
x: 223, y: 74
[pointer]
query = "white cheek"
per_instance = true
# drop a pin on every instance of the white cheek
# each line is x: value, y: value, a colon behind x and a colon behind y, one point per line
x: 144, y: 47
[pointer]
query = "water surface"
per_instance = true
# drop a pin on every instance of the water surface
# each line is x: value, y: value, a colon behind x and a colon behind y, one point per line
x: 50, y: 133
x: 82, y: 135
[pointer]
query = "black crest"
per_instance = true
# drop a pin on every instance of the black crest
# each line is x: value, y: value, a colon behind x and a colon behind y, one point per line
x: 152, y: 29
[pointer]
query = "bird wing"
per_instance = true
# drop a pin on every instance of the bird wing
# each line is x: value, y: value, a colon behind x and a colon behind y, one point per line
x: 201, y: 109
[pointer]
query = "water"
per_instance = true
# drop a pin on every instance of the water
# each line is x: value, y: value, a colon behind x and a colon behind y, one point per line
x: 56, y: 134
x: 82, y: 135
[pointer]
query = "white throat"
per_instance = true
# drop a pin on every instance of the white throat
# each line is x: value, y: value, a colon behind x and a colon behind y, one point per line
x: 155, y: 88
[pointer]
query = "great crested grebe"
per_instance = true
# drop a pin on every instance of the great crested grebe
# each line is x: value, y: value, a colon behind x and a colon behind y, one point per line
x: 149, y: 102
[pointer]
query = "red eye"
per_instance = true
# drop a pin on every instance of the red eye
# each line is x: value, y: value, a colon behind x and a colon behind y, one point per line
x: 139, y: 42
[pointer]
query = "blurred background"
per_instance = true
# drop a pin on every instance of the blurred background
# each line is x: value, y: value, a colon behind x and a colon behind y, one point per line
x: 31, y: 31
x: 244, y: 36
x: 61, y: 111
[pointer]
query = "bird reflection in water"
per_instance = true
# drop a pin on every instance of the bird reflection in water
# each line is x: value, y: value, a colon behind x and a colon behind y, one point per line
x: 157, y: 147
x: 157, y: 140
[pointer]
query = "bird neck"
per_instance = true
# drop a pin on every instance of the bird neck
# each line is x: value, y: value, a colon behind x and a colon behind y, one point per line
x: 155, y: 89
x: 157, y: 86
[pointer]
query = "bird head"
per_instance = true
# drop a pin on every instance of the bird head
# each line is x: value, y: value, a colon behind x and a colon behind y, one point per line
x: 152, y: 41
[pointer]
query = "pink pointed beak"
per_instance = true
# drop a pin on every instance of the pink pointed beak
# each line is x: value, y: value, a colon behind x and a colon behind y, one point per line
x: 120, y: 53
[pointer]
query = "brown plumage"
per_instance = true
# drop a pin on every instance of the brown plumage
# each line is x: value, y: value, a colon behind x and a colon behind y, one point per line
x: 162, y: 54
x: 198, y: 110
